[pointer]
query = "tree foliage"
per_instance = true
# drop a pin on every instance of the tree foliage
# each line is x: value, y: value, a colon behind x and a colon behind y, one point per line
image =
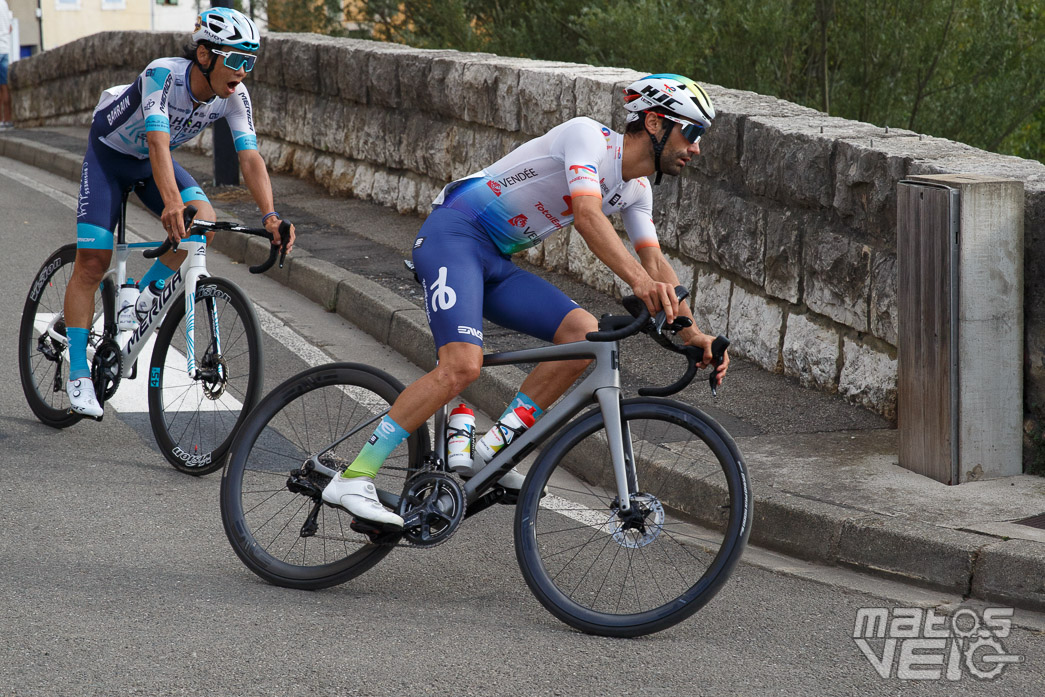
x: 969, y: 70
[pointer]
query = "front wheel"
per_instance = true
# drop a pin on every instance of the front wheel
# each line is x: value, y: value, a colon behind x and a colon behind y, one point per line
x: 612, y: 572
x: 43, y: 352
x: 271, y: 502
x: 194, y: 419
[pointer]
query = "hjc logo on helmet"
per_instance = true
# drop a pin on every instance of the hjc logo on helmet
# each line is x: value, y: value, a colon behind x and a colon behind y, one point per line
x: 664, y: 100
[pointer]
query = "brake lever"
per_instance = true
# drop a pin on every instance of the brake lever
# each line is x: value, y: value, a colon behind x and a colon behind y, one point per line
x: 718, y: 354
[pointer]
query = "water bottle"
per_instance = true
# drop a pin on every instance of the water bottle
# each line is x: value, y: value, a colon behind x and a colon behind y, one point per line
x: 126, y: 318
x: 502, y: 433
x: 460, y: 432
x: 148, y: 297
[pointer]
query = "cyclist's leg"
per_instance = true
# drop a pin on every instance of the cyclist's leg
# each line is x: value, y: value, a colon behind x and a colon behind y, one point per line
x: 96, y: 217
x: 449, y: 263
x: 561, y: 321
x: 191, y: 195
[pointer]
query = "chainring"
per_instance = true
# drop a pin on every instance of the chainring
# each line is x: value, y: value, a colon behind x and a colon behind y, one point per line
x: 106, y: 368
x: 432, y: 506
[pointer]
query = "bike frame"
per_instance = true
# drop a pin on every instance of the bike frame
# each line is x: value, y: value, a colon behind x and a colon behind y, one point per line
x: 601, y: 387
x: 187, y: 276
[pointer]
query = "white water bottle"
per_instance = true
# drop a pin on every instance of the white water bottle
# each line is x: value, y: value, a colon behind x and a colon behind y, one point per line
x: 460, y: 432
x: 148, y: 297
x: 125, y: 317
x: 502, y: 433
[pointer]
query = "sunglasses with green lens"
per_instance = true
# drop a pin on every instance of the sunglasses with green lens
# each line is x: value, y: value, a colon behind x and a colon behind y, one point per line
x: 234, y: 60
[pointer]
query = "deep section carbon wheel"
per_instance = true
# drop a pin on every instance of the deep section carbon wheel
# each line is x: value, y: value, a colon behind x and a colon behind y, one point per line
x: 43, y: 356
x: 194, y: 419
x: 271, y: 507
x: 615, y: 572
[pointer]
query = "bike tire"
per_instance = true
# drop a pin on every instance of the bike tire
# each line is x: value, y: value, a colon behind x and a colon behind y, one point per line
x: 580, y: 559
x: 263, y: 518
x: 43, y: 365
x: 195, y: 420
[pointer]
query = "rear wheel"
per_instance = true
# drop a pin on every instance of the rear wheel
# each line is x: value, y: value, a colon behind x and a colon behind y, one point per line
x: 607, y: 571
x: 43, y: 354
x: 270, y: 494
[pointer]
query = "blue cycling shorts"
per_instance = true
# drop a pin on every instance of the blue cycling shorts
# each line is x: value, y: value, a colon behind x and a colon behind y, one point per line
x: 466, y: 277
x: 105, y: 174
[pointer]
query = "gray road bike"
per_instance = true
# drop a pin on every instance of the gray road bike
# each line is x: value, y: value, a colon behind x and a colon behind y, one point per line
x: 206, y: 369
x: 632, y: 516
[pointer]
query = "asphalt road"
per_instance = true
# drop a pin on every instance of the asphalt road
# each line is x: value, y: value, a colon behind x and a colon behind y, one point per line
x: 117, y: 579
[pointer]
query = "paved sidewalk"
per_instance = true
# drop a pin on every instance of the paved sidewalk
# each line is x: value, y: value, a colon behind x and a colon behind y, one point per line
x: 826, y: 484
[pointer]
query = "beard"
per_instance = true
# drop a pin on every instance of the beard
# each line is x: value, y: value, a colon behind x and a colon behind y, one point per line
x: 670, y: 161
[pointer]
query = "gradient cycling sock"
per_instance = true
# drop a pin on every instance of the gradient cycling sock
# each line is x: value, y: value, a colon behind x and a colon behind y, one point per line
x: 387, y: 436
x: 521, y: 400
x: 78, y: 367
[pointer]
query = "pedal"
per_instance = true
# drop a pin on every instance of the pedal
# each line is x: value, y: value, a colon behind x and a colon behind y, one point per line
x: 378, y: 534
x: 89, y: 418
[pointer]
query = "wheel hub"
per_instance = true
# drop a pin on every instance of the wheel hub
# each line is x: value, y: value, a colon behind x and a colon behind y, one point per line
x: 640, y: 525
x: 213, y: 375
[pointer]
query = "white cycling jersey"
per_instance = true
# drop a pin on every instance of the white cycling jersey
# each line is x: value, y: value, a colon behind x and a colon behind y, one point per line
x: 528, y: 194
x: 160, y: 100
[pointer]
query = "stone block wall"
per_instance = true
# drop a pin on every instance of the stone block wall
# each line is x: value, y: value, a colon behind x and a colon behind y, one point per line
x: 784, y: 227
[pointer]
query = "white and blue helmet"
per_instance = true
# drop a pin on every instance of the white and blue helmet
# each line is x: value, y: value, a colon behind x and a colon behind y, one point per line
x: 227, y: 27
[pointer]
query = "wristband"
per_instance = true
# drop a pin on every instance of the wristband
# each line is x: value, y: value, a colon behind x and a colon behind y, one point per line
x: 269, y: 215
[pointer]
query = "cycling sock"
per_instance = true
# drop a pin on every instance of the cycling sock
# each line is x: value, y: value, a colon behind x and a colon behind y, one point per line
x: 78, y: 367
x: 387, y: 436
x: 521, y: 400
x: 157, y: 271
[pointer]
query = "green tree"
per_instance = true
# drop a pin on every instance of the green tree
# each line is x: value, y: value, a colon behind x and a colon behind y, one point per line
x: 969, y: 70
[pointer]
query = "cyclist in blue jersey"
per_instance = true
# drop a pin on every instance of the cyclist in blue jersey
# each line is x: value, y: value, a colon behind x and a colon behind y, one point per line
x: 134, y: 129
x: 579, y: 172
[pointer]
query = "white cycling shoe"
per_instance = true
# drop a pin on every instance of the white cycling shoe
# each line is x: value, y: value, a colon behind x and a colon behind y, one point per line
x: 358, y: 496
x: 82, y: 399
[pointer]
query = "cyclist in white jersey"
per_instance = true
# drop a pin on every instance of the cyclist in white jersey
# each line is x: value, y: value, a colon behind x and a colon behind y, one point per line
x: 133, y: 131
x: 578, y: 173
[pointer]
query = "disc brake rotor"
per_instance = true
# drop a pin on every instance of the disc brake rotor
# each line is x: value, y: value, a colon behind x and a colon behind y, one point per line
x: 640, y: 526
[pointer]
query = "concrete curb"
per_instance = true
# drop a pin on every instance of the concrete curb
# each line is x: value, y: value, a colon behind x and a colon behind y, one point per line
x: 971, y: 564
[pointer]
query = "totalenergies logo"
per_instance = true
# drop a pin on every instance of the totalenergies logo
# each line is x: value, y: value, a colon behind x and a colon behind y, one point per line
x: 494, y: 187
x: 668, y: 88
x: 518, y: 221
x: 583, y: 169
x: 199, y: 23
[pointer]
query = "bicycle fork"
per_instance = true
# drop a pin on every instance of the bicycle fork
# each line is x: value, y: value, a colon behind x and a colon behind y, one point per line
x: 618, y: 436
x: 195, y: 245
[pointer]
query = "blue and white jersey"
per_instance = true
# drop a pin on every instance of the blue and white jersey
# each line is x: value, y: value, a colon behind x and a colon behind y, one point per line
x: 160, y: 100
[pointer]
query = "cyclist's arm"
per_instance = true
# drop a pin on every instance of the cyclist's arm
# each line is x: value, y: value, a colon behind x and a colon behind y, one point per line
x: 159, y: 143
x: 659, y: 268
x: 256, y: 176
x: 598, y: 233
